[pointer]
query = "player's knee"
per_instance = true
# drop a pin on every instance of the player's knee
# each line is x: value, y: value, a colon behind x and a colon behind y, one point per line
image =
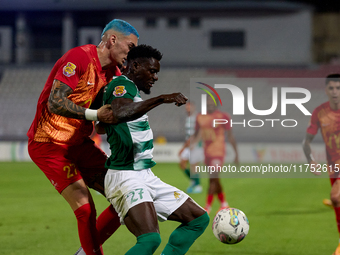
x: 149, y: 241
x: 203, y: 222
x: 335, y: 199
x: 191, y: 230
x: 182, y: 165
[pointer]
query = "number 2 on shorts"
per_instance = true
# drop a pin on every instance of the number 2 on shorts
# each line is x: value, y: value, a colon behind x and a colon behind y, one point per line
x: 133, y: 193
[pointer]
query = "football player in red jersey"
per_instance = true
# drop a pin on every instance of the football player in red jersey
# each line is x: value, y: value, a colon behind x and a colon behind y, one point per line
x: 59, y: 142
x: 326, y: 117
x: 214, y: 148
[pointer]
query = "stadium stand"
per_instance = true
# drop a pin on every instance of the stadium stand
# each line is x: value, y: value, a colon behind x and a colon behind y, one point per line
x: 19, y: 92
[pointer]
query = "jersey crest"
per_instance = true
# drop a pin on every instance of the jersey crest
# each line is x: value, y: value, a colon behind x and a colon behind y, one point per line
x: 119, y: 91
x: 69, y: 69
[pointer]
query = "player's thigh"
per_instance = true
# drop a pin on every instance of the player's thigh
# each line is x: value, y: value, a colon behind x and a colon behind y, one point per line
x: 187, y: 212
x: 91, y: 162
x: 215, y: 164
x: 77, y: 194
x: 167, y: 198
x: 185, y: 155
x: 142, y: 219
x: 196, y: 155
x: 52, y: 159
x: 126, y: 189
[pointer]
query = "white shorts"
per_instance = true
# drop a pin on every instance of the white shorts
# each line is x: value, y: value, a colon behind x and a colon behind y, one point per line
x: 195, y: 155
x: 125, y: 189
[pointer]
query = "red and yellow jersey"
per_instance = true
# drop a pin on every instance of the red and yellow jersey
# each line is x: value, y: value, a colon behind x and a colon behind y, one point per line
x: 328, y: 120
x: 81, y: 70
x: 213, y: 137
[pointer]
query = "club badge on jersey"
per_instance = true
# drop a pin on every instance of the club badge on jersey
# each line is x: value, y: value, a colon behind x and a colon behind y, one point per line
x: 69, y: 69
x: 119, y: 91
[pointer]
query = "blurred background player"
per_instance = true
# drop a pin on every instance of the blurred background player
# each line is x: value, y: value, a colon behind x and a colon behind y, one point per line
x: 327, y: 118
x: 189, y: 158
x: 59, y: 142
x: 214, y: 146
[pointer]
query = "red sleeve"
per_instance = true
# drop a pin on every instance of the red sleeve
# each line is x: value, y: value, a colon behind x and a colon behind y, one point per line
x: 314, y: 123
x: 73, y: 65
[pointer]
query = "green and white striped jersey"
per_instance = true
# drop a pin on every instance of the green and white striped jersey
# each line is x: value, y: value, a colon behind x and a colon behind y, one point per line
x: 190, y: 123
x: 131, y: 143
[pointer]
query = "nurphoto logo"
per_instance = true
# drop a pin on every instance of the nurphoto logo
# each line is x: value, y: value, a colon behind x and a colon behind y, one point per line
x: 238, y: 104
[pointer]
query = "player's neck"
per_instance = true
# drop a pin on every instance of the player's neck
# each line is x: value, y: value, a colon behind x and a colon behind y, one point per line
x: 334, y: 106
x: 103, y: 56
x: 129, y: 75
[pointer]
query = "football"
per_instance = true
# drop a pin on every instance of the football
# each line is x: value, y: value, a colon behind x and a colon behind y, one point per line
x: 230, y: 226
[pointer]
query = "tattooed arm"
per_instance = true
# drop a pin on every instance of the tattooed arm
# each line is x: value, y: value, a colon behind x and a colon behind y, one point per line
x: 59, y: 104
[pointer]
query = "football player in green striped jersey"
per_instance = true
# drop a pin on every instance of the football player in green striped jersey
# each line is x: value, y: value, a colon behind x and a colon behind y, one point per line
x: 139, y: 197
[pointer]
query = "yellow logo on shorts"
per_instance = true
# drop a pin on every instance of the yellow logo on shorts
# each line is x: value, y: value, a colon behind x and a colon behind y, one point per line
x: 176, y: 195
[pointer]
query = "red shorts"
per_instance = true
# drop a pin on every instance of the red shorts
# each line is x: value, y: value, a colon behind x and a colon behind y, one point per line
x: 64, y: 165
x: 213, y: 161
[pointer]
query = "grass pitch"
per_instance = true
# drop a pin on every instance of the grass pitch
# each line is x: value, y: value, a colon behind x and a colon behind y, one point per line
x: 286, y: 216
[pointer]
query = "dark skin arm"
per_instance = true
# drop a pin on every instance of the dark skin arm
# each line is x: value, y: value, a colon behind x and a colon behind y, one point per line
x: 58, y: 103
x: 127, y: 110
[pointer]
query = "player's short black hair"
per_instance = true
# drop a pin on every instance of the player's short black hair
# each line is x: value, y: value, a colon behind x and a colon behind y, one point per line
x: 144, y: 51
x: 332, y: 77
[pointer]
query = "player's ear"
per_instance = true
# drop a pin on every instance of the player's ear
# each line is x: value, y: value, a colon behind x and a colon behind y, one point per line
x: 112, y: 39
x: 135, y: 66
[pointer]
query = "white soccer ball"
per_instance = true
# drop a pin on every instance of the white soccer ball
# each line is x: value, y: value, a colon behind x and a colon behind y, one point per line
x: 230, y: 226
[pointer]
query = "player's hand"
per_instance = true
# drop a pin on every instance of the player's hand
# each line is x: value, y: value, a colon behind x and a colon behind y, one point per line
x: 100, y: 128
x: 177, y: 98
x: 105, y: 114
x: 312, y: 167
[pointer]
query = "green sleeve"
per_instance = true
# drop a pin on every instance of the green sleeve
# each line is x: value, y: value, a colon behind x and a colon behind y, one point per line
x: 119, y: 88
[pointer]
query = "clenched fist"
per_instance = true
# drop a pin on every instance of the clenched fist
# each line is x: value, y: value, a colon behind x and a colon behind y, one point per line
x: 105, y: 114
x: 177, y: 98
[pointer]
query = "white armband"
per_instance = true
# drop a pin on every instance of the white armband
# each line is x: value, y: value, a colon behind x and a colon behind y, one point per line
x: 91, y: 115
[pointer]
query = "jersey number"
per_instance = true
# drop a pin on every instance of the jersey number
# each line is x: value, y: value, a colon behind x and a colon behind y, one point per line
x: 71, y: 170
x: 133, y: 193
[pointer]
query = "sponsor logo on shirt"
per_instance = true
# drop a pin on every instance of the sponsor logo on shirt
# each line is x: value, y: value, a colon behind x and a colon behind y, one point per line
x: 119, y: 91
x: 69, y: 69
